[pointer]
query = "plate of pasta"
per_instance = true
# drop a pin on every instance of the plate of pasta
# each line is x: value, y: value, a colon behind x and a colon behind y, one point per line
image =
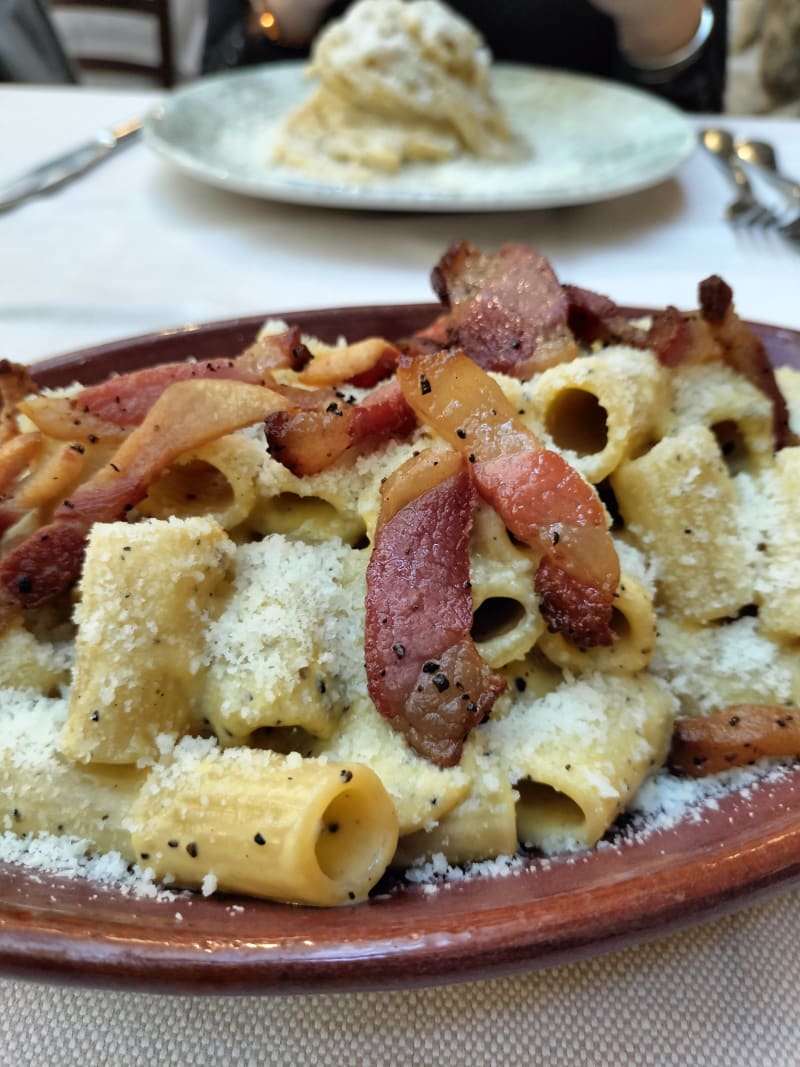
x: 396, y: 645
x: 575, y: 139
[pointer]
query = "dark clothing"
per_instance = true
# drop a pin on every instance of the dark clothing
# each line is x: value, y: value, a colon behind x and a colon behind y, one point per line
x: 568, y: 34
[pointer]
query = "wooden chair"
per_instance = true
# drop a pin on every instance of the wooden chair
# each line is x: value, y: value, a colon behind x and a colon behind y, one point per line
x: 163, y: 70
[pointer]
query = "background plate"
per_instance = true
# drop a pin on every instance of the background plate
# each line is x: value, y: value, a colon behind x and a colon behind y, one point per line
x: 735, y: 852
x: 591, y: 139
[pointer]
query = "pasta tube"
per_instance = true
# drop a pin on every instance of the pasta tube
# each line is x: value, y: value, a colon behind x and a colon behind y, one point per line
x: 633, y: 622
x: 602, y: 409
x: 483, y: 826
x: 147, y: 591
x: 250, y: 821
x: 737, y: 413
x: 507, y: 617
x: 680, y: 506
x: 576, y: 755
x: 776, y: 515
x: 421, y: 791
x: 43, y: 792
x: 26, y: 663
x: 285, y: 649
x: 217, y: 480
x: 709, y: 667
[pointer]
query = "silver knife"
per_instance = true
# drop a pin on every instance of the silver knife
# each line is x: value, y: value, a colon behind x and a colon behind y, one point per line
x: 64, y: 168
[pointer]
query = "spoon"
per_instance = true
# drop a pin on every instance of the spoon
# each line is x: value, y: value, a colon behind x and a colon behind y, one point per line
x: 762, y: 155
x: 744, y: 209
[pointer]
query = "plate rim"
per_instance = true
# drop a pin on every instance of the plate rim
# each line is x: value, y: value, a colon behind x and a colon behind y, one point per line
x: 315, y: 193
x: 442, y: 937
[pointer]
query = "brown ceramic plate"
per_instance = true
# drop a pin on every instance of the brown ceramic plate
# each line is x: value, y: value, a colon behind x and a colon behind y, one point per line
x: 741, y: 850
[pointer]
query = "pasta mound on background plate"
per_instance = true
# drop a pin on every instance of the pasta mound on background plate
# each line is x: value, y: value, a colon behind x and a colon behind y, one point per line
x: 399, y: 82
x: 273, y: 625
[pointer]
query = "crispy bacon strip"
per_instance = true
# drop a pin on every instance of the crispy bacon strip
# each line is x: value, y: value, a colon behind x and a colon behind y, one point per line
x: 744, y: 351
x: 15, y: 457
x: 595, y: 317
x: 507, y: 311
x: 546, y: 504
x: 274, y: 351
x: 715, y: 332
x: 15, y: 383
x: 362, y: 364
x: 187, y: 415
x: 733, y: 737
x: 123, y: 400
x: 56, y: 417
x: 309, y: 440
x: 543, y: 501
x: 423, y: 670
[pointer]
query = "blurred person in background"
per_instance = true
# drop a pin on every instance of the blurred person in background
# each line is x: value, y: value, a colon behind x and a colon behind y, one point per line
x: 674, y: 48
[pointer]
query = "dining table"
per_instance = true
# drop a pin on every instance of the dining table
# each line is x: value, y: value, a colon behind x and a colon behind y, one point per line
x: 135, y: 247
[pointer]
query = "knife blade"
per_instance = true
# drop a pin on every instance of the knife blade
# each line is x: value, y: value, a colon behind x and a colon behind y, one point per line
x: 56, y: 172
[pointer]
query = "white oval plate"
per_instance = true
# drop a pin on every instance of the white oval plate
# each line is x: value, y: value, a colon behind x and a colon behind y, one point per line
x: 590, y: 140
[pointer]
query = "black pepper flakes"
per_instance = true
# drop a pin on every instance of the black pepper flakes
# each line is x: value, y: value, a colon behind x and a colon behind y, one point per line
x: 399, y: 650
x: 191, y: 848
x: 441, y: 681
x: 424, y: 385
x: 346, y: 775
x: 430, y: 667
x: 259, y: 839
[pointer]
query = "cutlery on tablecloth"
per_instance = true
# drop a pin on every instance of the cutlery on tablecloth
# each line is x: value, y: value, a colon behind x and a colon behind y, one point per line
x: 56, y: 172
x: 761, y: 155
x: 746, y: 209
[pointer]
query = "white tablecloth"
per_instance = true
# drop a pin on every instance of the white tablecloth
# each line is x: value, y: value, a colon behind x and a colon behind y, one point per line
x: 134, y: 247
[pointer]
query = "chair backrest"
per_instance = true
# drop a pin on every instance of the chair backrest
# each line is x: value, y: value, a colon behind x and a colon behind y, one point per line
x: 161, y: 70
x: 30, y: 47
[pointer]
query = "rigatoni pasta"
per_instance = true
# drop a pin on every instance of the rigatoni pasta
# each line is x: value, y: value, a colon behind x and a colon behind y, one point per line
x: 607, y: 543
x: 148, y: 593
x: 300, y: 830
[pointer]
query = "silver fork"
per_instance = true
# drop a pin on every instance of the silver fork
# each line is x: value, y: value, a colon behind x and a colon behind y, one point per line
x: 745, y: 209
x: 760, y: 156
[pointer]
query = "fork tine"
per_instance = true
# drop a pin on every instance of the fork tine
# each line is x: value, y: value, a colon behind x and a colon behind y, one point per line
x: 754, y: 216
x: 750, y: 217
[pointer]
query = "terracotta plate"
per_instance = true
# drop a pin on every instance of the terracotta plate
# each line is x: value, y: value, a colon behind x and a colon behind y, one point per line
x: 740, y: 851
